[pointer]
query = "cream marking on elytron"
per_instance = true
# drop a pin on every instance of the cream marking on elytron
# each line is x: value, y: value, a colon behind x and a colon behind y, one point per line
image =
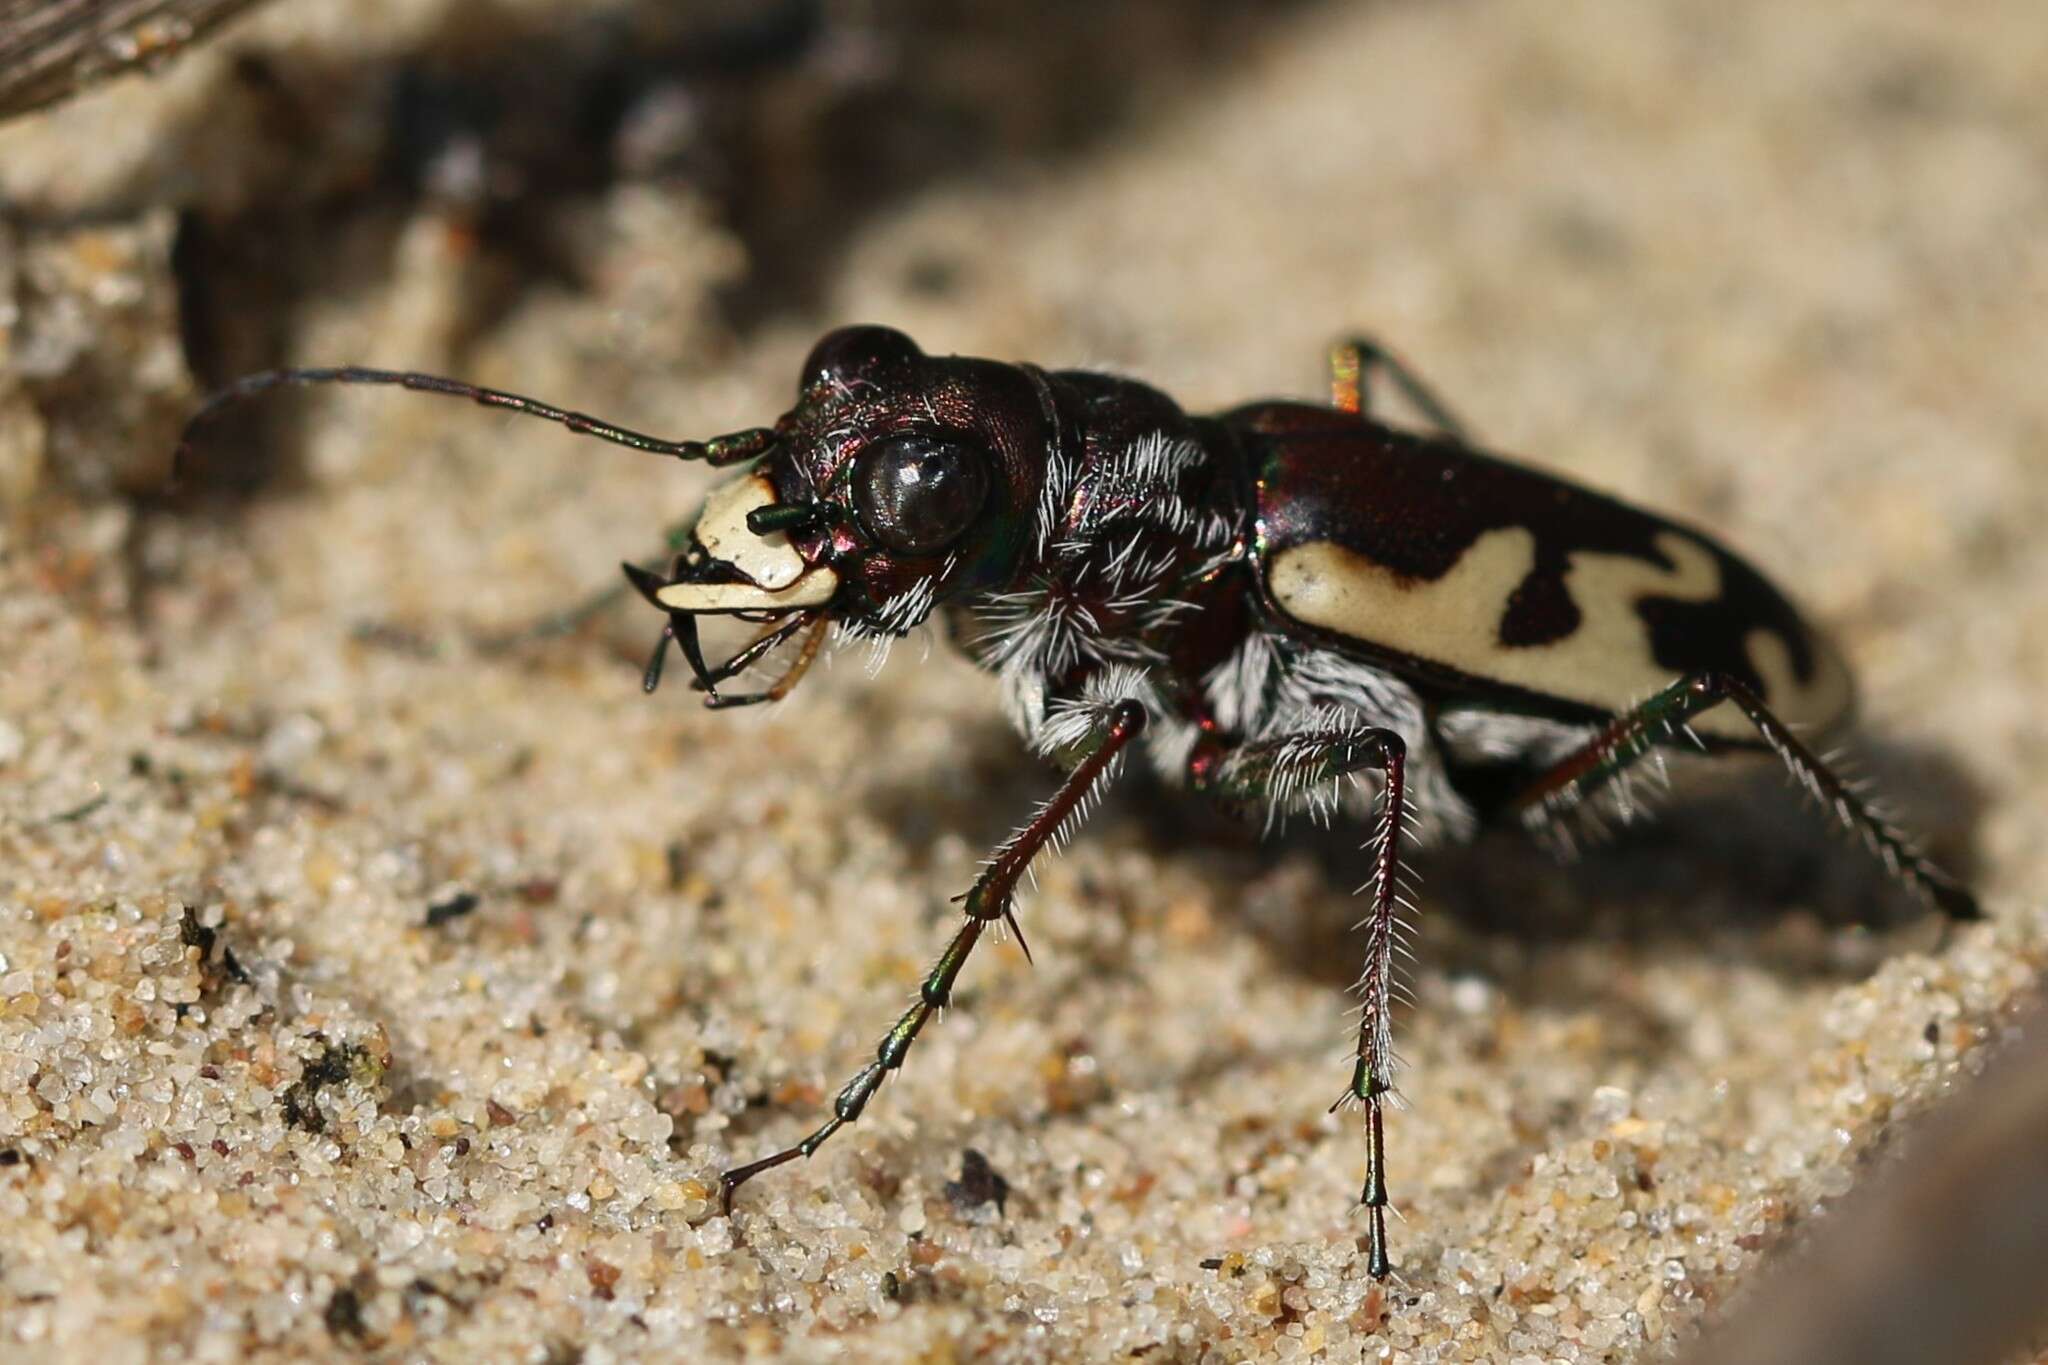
x: 1605, y: 662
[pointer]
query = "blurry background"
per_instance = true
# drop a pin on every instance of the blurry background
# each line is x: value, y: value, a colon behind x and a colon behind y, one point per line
x: 1781, y: 271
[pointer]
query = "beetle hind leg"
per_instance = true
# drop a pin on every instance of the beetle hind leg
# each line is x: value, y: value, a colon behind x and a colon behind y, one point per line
x: 1352, y: 363
x: 1603, y: 763
x: 989, y: 900
x: 1309, y: 770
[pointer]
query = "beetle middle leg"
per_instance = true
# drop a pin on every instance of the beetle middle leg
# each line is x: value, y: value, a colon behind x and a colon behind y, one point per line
x: 1352, y: 362
x: 1604, y: 760
x: 989, y: 900
x: 1309, y: 769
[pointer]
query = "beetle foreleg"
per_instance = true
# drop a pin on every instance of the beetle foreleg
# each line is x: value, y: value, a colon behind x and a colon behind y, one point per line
x: 811, y: 624
x: 1307, y: 769
x: 1352, y: 362
x: 987, y: 901
x: 1605, y: 759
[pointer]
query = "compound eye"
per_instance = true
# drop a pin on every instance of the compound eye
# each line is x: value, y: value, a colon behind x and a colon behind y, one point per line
x: 917, y: 492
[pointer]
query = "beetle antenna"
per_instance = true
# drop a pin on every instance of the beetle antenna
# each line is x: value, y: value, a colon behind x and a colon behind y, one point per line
x: 719, y: 450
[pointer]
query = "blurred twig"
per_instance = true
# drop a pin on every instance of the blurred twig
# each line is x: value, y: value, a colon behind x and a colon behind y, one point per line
x: 51, y: 48
x: 1943, y: 1257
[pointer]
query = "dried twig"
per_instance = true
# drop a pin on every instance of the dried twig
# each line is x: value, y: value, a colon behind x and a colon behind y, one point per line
x: 51, y: 48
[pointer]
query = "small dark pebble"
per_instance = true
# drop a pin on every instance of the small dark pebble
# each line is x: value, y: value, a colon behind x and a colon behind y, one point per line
x: 344, y: 1315
x: 455, y: 907
x: 301, y: 1112
x: 192, y: 933
x: 978, y: 1184
x: 501, y: 1117
x: 1212, y: 1263
x: 301, y: 1103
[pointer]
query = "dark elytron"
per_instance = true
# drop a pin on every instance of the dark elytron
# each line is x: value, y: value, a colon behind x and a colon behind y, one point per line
x: 1291, y: 609
x: 1416, y: 505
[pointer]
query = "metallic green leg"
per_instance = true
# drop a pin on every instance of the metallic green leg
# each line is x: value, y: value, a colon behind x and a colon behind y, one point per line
x: 989, y: 900
x: 1603, y: 760
x: 1311, y: 767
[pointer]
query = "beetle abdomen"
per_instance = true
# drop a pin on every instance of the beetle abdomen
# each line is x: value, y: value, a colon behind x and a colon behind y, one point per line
x: 1487, y: 577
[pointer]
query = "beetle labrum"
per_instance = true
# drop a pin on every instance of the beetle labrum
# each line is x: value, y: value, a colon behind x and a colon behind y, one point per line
x: 1292, y: 608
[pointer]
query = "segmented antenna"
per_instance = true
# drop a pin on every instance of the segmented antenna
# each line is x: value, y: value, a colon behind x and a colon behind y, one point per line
x: 719, y: 450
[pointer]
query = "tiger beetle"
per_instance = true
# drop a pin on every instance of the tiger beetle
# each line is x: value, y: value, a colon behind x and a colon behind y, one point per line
x: 1298, y: 609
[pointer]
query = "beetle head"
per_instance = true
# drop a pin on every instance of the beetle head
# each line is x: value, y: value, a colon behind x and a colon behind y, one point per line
x: 897, y: 481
